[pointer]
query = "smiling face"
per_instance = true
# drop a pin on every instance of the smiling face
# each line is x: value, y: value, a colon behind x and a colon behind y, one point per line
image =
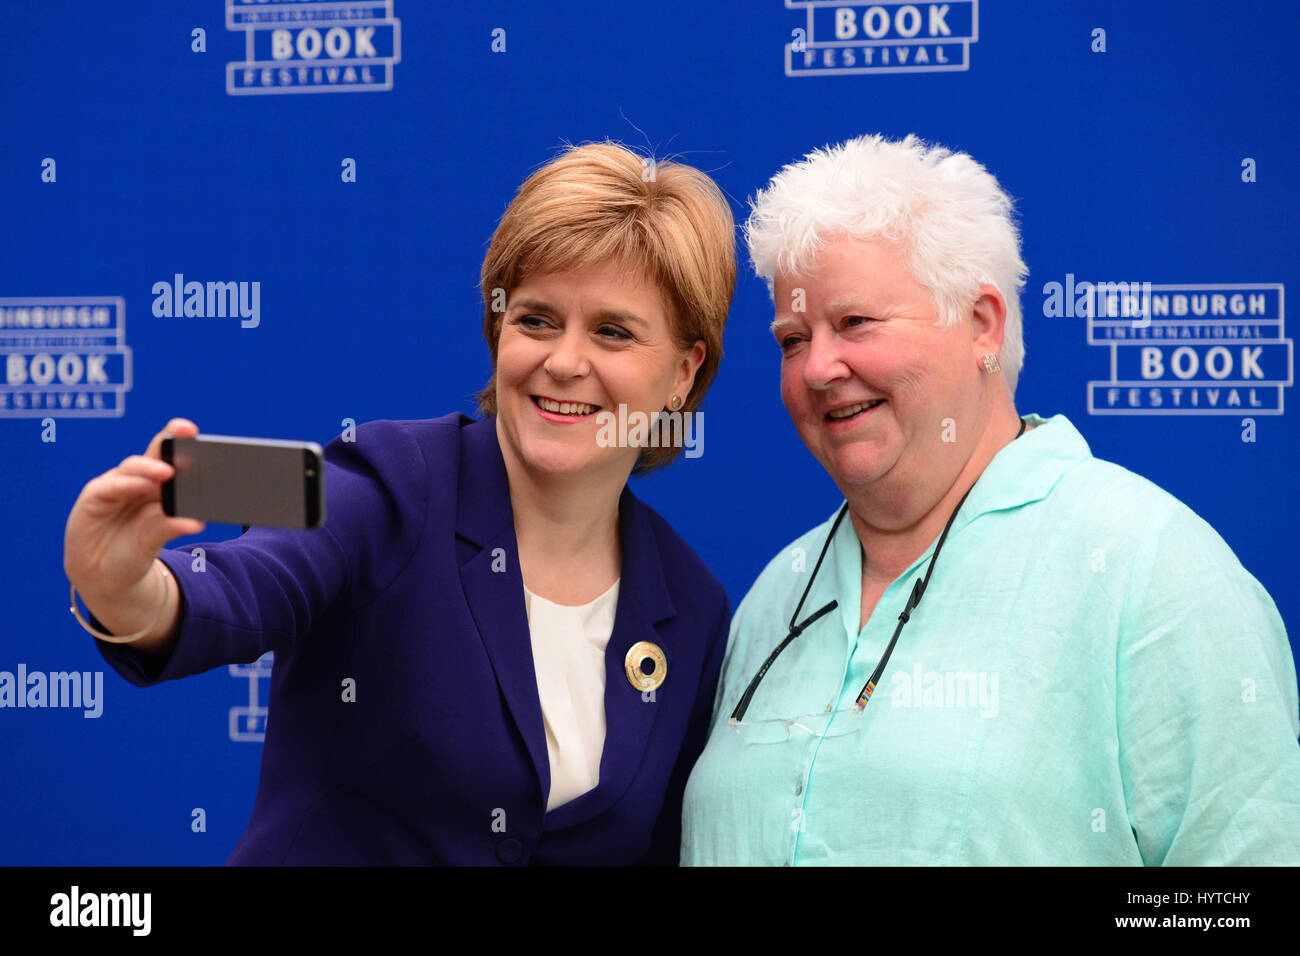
x: 577, y: 343
x: 869, y: 379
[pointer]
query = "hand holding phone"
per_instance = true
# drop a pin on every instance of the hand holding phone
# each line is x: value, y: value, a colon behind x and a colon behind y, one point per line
x: 112, y: 538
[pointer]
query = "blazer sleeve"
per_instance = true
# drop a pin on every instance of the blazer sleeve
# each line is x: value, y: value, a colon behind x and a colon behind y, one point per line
x: 252, y: 594
x: 666, y: 841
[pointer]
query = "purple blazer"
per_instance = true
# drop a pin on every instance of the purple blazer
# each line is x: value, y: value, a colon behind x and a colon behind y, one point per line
x: 412, y: 590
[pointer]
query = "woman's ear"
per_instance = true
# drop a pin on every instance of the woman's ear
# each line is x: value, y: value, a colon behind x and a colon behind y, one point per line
x: 689, y: 366
x: 988, y: 317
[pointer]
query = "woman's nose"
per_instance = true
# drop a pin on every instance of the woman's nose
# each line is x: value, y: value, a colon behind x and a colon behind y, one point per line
x: 823, y: 364
x: 568, y: 358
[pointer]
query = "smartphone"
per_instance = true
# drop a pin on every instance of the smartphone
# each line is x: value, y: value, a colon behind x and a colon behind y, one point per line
x: 245, y: 481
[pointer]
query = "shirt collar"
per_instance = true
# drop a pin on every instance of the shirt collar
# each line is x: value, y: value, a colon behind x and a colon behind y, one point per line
x: 1022, y: 472
x: 1025, y: 470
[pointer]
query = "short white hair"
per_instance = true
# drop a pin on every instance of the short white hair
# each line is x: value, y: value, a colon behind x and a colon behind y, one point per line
x: 948, y: 214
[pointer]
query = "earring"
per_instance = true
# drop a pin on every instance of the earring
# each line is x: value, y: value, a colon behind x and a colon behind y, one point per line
x: 674, y: 403
x: 991, y: 363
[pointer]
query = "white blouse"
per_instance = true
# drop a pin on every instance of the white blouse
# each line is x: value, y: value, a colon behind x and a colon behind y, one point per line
x: 569, y: 657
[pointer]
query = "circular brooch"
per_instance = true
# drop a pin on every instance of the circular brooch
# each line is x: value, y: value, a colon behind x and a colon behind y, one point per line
x: 645, y: 665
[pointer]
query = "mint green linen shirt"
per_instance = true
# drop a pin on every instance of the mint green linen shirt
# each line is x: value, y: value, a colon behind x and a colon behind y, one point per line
x: 1091, y: 678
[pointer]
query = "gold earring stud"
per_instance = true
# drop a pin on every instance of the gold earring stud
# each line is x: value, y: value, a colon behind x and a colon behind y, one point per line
x: 674, y: 403
x: 991, y: 363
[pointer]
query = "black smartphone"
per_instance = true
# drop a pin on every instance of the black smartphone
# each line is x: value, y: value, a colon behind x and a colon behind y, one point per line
x: 245, y: 481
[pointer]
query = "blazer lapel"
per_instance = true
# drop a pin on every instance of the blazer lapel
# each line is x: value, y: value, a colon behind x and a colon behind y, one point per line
x: 643, y: 601
x: 494, y: 586
x: 496, y: 600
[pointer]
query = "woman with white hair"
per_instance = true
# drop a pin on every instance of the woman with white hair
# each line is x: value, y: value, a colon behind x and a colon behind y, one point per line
x: 1069, y: 666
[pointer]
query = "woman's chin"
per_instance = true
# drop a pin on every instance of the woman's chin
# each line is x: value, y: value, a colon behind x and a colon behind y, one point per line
x: 559, y: 459
x: 555, y: 466
x: 857, y: 466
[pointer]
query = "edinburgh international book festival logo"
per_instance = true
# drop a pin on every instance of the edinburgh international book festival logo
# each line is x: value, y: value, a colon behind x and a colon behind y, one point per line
x: 64, y: 356
x: 1184, y: 349
x: 840, y: 38
x: 313, y: 46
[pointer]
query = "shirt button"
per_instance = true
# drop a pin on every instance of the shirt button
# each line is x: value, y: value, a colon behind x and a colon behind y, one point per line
x: 798, y: 788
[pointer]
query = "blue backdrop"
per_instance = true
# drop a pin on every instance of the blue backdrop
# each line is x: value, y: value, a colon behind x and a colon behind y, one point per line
x: 1159, y: 150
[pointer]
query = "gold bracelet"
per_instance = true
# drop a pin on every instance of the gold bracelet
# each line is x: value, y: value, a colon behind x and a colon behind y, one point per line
x: 113, y: 638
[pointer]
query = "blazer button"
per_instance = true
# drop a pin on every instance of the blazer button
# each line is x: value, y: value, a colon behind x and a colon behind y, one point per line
x: 510, y: 850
